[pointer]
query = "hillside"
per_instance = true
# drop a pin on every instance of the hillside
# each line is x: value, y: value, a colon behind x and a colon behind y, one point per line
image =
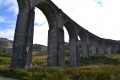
x: 6, y: 46
x: 39, y: 48
x: 98, y: 67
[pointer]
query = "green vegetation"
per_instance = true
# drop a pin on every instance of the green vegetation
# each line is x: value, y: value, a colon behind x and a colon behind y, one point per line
x: 39, y: 60
x: 5, y: 54
x: 6, y: 47
x: 39, y: 49
x: 99, y: 67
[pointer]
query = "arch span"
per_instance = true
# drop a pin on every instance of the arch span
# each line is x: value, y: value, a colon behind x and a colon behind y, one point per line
x: 74, y: 55
x: 23, y: 39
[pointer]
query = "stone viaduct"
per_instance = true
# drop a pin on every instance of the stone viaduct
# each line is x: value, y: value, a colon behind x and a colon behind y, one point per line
x: 57, y: 19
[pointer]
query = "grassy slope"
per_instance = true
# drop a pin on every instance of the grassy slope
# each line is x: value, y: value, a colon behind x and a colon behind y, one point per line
x: 37, y: 48
x: 5, y: 43
x: 7, y: 46
x: 99, y: 67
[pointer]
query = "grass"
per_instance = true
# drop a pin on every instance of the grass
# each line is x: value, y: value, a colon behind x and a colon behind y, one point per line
x: 38, y: 60
x: 98, y: 67
x: 101, y: 60
x: 4, y: 61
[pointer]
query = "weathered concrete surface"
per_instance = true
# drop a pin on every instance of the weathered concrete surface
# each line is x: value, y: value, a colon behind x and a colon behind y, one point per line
x: 102, y: 50
x: 22, y: 55
x: 61, y: 51
x: 109, y: 49
x: 101, y: 47
x: 93, y: 50
x: 52, y: 49
x: 94, y: 47
x: 85, y: 45
x: 57, y: 19
x: 115, y: 48
x: 74, y: 55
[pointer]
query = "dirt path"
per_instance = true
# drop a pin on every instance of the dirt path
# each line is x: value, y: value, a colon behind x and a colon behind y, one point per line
x: 3, y: 78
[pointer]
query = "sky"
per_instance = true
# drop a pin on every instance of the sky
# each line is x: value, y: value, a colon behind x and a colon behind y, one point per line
x: 100, y: 17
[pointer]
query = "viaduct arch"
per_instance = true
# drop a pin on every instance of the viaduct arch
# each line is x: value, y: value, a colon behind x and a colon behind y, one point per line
x: 23, y: 39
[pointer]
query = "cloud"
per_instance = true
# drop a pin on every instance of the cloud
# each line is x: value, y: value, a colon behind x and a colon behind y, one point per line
x: 1, y: 1
x: 103, y: 22
x: 11, y: 26
x: 99, y: 21
x: 2, y: 19
x: 11, y: 4
x: 40, y: 17
x: 5, y: 21
x: 100, y: 3
x: 66, y: 35
x: 41, y: 34
x: 7, y: 33
x: 38, y: 24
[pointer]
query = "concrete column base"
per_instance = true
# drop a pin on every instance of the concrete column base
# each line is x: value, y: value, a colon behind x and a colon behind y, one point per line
x: 74, y: 55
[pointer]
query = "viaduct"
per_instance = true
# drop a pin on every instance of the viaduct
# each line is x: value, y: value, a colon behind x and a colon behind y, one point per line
x: 57, y: 19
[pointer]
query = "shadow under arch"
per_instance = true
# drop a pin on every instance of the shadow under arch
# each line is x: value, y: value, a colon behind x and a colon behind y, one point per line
x: 74, y: 55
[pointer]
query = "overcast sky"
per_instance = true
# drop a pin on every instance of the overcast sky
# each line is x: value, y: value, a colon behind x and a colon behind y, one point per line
x: 101, y: 17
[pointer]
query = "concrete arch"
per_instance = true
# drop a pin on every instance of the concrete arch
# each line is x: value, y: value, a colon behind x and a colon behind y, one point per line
x: 52, y: 57
x: 70, y: 29
x: 74, y: 55
x: 23, y: 41
x: 49, y: 13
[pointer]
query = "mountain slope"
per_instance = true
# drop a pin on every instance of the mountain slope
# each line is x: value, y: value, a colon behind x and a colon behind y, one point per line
x: 6, y: 46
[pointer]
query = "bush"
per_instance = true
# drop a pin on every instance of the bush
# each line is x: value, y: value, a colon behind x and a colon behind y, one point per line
x: 5, y: 54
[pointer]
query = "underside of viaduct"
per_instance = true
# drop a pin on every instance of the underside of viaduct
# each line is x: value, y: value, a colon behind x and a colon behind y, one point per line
x: 57, y: 19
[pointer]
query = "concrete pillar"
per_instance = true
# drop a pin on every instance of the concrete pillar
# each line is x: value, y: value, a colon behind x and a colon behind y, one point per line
x: 52, y: 59
x: 115, y: 48
x: 94, y: 47
x: 74, y: 55
x: 102, y: 51
x: 109, y: 49
x: 23, y: 39
x: 85, y: 46
x: 102, y: 48
x: 61, y: 50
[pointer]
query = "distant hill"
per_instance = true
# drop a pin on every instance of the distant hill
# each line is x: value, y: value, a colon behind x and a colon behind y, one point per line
x: 39, y: 48
x: 6, y: 46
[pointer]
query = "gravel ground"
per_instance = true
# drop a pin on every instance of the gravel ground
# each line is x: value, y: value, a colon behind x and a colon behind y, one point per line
x: 3, y: 78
